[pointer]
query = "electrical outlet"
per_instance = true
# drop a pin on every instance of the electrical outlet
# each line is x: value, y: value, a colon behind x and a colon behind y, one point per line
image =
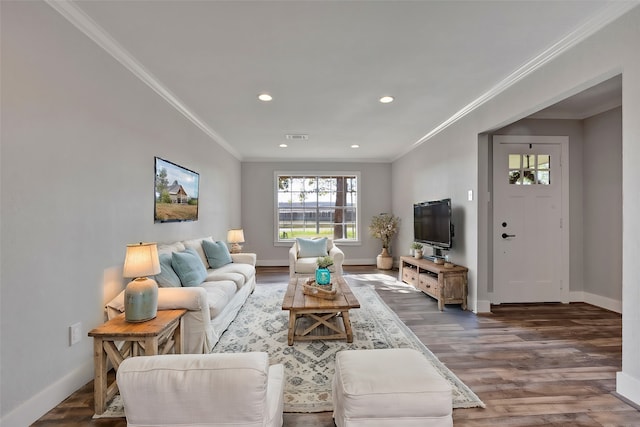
x: 75, y: 333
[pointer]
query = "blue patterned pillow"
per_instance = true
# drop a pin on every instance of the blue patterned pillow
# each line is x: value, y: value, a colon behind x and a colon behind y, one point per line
x: 189, y: 267
x: 167, y: 277
x: 312, y: 247
x: 217, y: 253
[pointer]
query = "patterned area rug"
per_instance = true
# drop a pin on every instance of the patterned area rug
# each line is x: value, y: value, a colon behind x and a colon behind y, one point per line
x: 261, y: 325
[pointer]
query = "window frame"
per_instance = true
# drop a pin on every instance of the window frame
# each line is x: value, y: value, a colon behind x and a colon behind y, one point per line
x: 276, y: 219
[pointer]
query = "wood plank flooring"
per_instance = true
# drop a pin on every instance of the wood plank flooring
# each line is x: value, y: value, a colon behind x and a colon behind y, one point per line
x: 531, y: 364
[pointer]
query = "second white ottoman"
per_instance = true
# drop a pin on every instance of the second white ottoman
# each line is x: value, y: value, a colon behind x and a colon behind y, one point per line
x: 389, y: 387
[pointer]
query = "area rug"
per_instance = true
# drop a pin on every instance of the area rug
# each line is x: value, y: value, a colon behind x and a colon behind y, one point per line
x: 261, y: 325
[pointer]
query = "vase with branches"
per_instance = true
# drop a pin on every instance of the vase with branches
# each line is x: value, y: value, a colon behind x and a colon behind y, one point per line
x: 384, y: 226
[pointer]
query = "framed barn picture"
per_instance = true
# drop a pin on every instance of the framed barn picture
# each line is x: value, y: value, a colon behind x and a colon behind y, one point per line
x: 175, y: 193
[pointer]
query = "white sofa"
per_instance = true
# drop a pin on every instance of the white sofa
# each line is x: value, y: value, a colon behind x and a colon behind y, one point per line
x: 212, y: 305
x: 226, y: 389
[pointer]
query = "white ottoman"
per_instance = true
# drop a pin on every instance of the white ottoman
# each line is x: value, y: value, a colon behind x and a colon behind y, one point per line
x: 389, y: 388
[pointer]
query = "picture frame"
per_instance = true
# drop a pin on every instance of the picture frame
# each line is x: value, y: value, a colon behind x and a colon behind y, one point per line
x: 176, y: 192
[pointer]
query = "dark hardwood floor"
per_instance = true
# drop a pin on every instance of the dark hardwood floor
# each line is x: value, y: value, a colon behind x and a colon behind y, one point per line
x: 531, y: 364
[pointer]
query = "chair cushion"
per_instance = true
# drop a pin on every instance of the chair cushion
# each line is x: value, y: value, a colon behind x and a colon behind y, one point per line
x: 217, y: 253
x: 312, y: 247
x: 247, y: 270
x: 167, y: 277
x: 309, y: 265
x: 219, y: 293
x: 188, y: 266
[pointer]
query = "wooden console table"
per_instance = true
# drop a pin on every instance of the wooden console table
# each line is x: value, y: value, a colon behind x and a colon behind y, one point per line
x: 448, y: 285
x: 156, y: 336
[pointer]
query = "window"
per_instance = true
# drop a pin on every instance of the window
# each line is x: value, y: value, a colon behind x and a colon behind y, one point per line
x: 529, y: 169
x: 322, y: 204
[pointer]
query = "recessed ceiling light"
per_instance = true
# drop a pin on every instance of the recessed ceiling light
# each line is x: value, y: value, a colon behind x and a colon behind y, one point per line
x: 283, y: 145
x: 265, y: 97
x: 386, y: 99
x: 355, y: 146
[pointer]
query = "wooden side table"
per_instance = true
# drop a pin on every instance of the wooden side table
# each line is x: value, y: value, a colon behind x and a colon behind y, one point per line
x: 156, y: 336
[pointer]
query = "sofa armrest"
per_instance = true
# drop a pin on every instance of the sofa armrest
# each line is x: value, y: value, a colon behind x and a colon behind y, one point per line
x: 199, y: 334
x: 244, y: 258
x: 293, y: 257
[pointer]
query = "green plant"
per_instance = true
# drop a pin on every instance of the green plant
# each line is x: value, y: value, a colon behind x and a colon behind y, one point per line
x: 324, y: 261
x: 384, y: 227
x: 416, y: 245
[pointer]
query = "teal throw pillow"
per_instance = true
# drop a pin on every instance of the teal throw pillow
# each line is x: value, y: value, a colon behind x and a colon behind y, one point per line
x: 217, y: 253
x: 312, y: 247
x: 167, y: 277
x: 189, y: 267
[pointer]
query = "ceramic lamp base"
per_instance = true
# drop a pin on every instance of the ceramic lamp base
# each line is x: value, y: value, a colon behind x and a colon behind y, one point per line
x: 141, y: 300
x: 236, y: 248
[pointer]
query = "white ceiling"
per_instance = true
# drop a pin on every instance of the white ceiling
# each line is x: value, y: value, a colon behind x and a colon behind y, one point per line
x: 326, y: 63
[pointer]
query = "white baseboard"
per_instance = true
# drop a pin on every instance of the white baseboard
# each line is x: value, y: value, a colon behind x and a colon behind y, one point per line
x: 484, y: 306
x: 597, y: 300
x: 34, y: 408
x: 285, y: 263
x: 628, y: 387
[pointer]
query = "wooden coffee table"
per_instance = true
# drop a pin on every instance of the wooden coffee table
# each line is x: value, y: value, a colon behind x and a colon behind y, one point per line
x: 313, y: 318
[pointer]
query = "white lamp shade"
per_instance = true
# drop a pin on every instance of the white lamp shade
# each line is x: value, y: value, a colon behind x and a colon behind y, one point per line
x: 141, y: 260
x: 235, y: 236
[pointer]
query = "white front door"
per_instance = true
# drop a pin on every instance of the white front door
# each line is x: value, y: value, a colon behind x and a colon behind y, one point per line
x: 527, y: 220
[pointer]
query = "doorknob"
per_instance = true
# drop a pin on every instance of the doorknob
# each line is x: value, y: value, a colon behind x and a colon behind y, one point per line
x: 505, y: 235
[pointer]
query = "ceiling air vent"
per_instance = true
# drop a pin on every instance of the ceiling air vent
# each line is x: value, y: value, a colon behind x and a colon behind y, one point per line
x: 297, y: 137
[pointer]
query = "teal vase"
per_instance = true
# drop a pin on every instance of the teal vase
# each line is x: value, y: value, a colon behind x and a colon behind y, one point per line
x: 323, y: 276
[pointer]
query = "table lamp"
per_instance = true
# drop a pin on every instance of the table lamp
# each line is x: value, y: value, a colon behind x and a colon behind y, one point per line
x: 235, y: 237
x: 141, y: 294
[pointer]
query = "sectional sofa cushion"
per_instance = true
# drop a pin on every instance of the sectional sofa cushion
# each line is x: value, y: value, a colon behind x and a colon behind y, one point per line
x: 312, y: 247
x: 167, y: 277
x: 217, y: 253
x: 189, y: 267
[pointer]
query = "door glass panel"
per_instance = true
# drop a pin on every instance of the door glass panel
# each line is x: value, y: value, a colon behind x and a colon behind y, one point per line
x: 543, y: 178
x: 529, y: 169
x: 544, y: 161
x: 514, y: 161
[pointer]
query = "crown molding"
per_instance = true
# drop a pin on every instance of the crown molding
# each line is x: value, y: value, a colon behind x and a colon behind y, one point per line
x: 102, y: 38
x: 611, y: 12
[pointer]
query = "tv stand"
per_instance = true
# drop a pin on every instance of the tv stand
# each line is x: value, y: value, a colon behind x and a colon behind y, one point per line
x: 448, y: 285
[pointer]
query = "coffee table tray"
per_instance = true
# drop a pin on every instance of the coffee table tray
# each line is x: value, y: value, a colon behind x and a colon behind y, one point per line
x: 319, y: 291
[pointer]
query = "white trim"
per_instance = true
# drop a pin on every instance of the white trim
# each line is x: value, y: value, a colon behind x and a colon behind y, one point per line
x: 628, y: 387
x: 612, y: 11
x: 34, y: 408
x: 597, y: 300
x: 102, y: 38
x: 483, y: 306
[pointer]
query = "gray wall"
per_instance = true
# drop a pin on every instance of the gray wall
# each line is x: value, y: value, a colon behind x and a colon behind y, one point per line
x: 258, y: 203
x: 602, y: 175
x: 79, y: 135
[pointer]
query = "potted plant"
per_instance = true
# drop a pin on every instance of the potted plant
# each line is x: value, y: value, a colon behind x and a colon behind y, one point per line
x: 384, y: 227
x: 323, y: 275
x: 417, y: 249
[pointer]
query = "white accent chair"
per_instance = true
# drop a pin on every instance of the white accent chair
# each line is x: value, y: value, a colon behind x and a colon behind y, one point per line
x: 221, y: 389
x: 301, y: 265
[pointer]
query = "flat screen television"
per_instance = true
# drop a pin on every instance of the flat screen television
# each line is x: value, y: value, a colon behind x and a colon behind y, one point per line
x: 432, y: 223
